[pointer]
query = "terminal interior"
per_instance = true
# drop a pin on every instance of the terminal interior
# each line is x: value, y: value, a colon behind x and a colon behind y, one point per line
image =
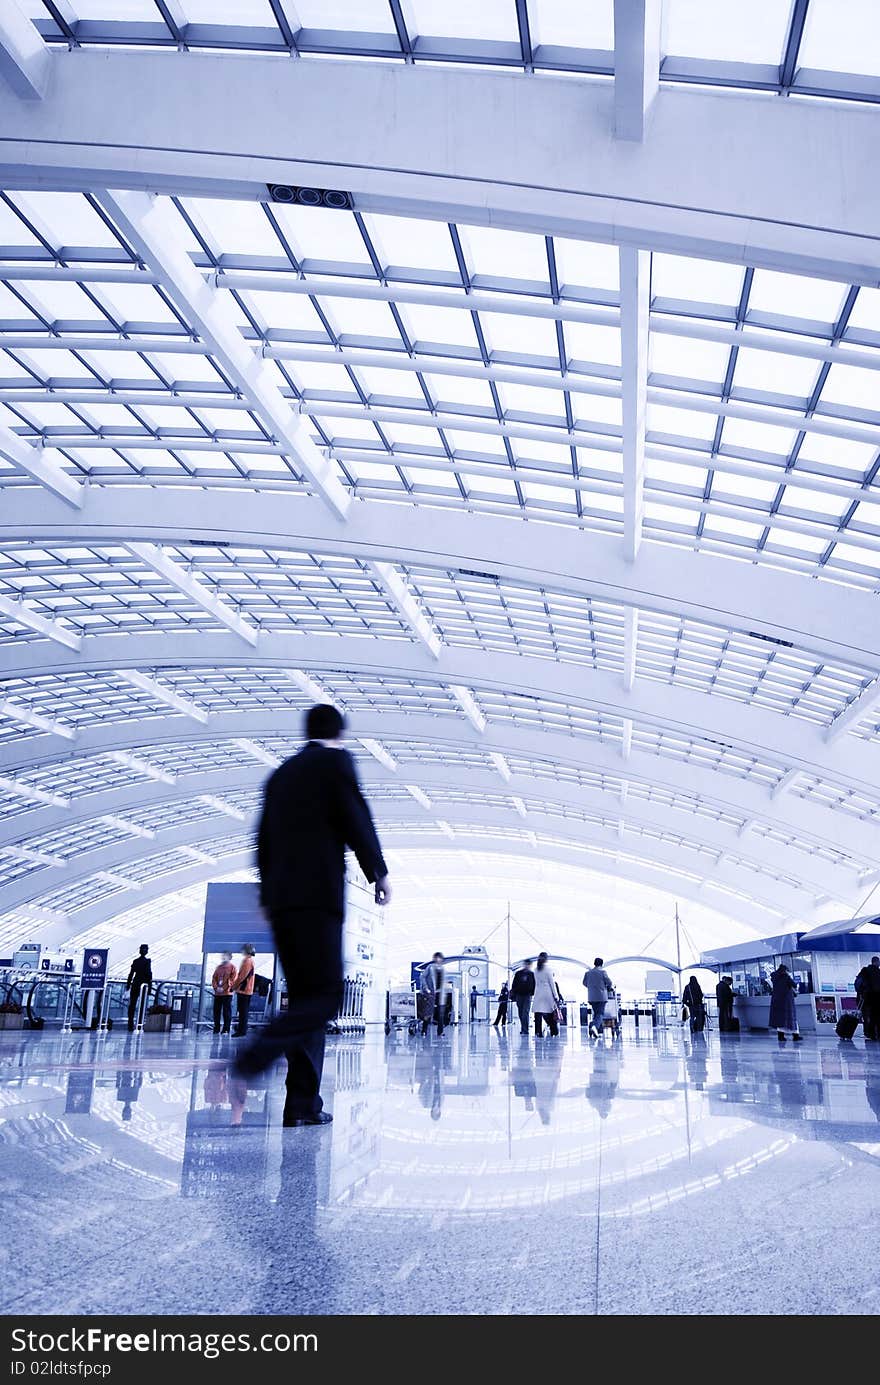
x: 426, y: 359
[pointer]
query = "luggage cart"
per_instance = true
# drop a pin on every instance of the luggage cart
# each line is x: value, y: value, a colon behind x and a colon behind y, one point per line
x: 611, y: 1018
x: 402, y: 1011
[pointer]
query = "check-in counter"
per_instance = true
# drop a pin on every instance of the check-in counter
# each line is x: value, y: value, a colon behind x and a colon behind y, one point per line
x: 753, y: 1012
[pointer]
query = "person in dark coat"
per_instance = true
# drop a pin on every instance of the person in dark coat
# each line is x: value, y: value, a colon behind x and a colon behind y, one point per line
x: 503, y: 997
x: 693, y: 999
x: 868, y: 991
x: 140, y: 974
x: 313, y: 809
x: 521, y: 992
x: 783, y: 1008
x: 724, y: 996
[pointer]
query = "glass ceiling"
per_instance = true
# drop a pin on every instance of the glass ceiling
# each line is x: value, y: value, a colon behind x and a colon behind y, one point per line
x: 463, y: 367
x: 463, y: 370
x: 824, y: 48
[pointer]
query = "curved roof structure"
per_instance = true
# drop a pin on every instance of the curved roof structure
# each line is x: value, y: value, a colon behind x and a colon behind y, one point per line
x: 506, y: 374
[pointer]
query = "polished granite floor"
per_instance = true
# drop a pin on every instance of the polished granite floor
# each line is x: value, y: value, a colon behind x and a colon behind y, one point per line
x: 473, y: 1174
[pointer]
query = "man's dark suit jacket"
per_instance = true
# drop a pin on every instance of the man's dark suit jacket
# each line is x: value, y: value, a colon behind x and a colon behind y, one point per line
x: 141, y: 972
x: 523, y: 983
x: 312, y: 809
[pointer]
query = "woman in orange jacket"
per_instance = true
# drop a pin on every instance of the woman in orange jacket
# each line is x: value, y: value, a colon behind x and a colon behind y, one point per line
x: 244, y: 988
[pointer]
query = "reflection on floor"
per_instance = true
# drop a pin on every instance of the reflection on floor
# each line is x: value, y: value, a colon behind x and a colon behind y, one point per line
x: 478, y: 1173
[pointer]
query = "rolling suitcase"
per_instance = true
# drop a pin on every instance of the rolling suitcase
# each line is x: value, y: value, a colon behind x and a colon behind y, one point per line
x: 847, y: 1026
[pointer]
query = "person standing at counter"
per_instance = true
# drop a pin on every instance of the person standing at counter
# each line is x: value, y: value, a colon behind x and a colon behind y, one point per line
x: 868, y: 991
x: 243, y: 986
x: 222, y: 986
x: 783, y: 1005
x: 724, y: 997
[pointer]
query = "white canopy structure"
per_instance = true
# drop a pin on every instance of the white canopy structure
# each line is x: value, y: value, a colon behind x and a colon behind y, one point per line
x: 506, y: 374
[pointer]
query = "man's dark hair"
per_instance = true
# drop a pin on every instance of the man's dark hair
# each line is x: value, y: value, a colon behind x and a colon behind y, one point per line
x: 324, y: 723
x: 436, y: 955
x: 598, y: 962
x: 143, y: 949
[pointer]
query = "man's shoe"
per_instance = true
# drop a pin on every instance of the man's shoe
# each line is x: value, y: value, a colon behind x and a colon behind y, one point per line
x: 797, y: 1038
x: 321, y: 1118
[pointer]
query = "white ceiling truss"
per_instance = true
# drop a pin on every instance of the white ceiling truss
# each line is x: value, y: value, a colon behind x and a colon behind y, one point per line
x: 535, y: 456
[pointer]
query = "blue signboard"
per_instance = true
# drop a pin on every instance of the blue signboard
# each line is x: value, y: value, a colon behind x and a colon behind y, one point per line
x: 233, y: 916
x: 94, y: 970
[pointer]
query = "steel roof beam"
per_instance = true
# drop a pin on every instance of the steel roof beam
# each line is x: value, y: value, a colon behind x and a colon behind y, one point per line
x: 166, y: 696
x: 838, y: 624
x: 186, y: 582
x: 752, y: 913
x: 33, y: 620
x: 118, y: 855
x: 435, y: 783
x: 117, y: 118
x: 153, y: 230
x: 34, y: 462
x: 635, y: 284
x: 777, y: 739
x: 863, y: 706
x: 25, y: 715
x: 636, y: 65
x: 407, y: 606
x: 800, y: 817
x: 25, y: 58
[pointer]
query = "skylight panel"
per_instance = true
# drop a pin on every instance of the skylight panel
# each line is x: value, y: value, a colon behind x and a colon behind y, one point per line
x: 842, y: 36
x: 63, y: 299
x: 13, y: 309
x: 770, y: 372
x: 361, y: 16
x: 592, y: 344
x: 683, y: 423
x: 411, y: 242
x: 794, y: 295
x: 255, y: 13
x: 47, y: 364
x: 460, y: 440
x: 527, y: 336
x: 128, y: 10
x: 744, y: 435
x: 760, y: 492
x: 597, y: 408
x: 839, y: 454
x: 866, y: 311
x: 234, y: 228
x: 320, y: 233
x: 320, y: 378
x: 67, y: 217
x: 358, y: 317
x: 572, y: 24
x: 462, y: 19
x: 749, y: 31
x: 697, y: 281
x: 505, y: 254
x: 586, y: 264
x: 111, y: 365
x: 802, y: 499
x: 532, y: 400
x: 677, y: 474
x: 132, y: 302
x: 439, y: 326
x: 687, y: 358
x: 177, y: 366
x: 286, y: 312
x: 852, y: 385
x: 401, y: 384
x: 457, y: 389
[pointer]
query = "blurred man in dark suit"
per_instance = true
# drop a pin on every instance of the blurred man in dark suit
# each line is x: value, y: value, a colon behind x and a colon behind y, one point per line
x: 313, y: 809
